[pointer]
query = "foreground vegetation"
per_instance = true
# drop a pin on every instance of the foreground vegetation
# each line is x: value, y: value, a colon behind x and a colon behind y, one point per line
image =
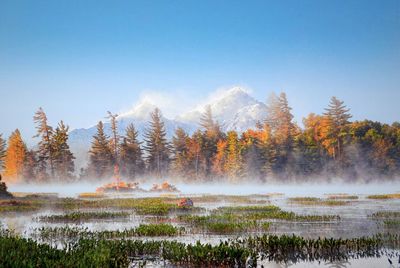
x: 93, y: 252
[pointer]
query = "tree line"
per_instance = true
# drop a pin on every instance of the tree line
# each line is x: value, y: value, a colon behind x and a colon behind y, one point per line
x: 328, y: 146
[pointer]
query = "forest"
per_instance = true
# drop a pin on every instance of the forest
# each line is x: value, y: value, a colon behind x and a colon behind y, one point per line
x: 326, y: 147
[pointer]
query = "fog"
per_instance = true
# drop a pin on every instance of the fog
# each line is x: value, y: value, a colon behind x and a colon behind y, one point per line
x: 299, y: 189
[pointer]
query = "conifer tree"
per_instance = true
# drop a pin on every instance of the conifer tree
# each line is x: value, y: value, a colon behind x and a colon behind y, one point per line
x: 156, y: 145
x: 338, y: 118
x: 101, y: 156
x: 131, y: 154
x: 2, y: 152
x: 45, y: 147
x: 30, y: 167
x: 212, y: 133
x: 63, y: 157
x: 180, y: 143
x: 15, y: 157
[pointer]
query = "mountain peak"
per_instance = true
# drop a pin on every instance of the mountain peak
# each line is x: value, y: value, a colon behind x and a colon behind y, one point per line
x: 141, y: 110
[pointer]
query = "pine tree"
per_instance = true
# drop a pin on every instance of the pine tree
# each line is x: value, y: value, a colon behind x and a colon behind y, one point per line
x: 283, y: 130
x: 212, y: 133
x: 338, y: 118
x: 101, y: 156
x: 114, y: 142
x: 2, y: 152
x: 180, y: 152
x: 45, y: 147
x: 251, y: 153
x: 131, y: 154
x: 63, y: 157
x: 30, y: 167
x: 156, y: 146
x: 15, y: 157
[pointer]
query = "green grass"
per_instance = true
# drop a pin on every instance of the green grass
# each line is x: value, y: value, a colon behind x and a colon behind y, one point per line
x: 314, y: 201
x: 84, y: 216
x: 15, y: 205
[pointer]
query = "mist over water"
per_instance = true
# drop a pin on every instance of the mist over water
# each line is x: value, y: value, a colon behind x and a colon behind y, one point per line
x: 289, y: 189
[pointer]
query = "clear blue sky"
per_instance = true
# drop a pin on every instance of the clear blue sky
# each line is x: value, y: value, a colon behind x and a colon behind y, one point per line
x: 78, y: 59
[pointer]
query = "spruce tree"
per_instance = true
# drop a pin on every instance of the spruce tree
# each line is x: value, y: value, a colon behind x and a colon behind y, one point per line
x: 30, y: 167
x: 15, y: 157
x: 131, y: 154
x: 63, y: 157
x: 101, y: 156
x: 45, y: 147
x: 2, y: 152
x: 156, y: 146
x: 338, y: 118
x: 211, y: 134
x: 180, y: 152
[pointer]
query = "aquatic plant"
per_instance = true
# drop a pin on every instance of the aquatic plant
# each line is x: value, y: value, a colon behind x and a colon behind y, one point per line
x: 314, y: 201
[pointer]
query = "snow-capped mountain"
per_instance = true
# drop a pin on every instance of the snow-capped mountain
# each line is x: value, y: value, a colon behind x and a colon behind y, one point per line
x: 234, y: 109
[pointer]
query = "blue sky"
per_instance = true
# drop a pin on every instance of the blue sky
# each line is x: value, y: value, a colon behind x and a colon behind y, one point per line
x: 78, y: 59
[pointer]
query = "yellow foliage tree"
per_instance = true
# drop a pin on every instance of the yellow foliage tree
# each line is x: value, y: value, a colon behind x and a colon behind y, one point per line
x: 15, y: 157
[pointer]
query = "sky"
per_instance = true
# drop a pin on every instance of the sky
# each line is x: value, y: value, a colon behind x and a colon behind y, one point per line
x: 79, y: 59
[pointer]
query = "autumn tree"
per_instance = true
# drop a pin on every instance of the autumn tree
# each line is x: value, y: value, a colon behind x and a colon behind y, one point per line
x: 196, y: 155
x: 251, y: 153
x: 131, y: 160
x: 101, y: 156
x: 233, y: 156
x: 45, y: 152
x: 156, y: 145
x: 15, y: 157
x: 219, y: 160
x: 30, y: 167
x: 63, y: 159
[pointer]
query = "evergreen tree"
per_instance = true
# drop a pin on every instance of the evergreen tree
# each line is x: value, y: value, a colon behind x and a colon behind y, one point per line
x: 338, y: 118
x: 114, y: 142
x: 279, y: 120
x: 63, y: 157
x: 156, y: 146
x: 30, y: 167
x: 45, y: 148
x: 212, y: 133
x: 101, y: 156
x: 131, y: 154
x: 2, y: 152
x: 251, y: 154
x: 180, y: 152
x: 15, y: 157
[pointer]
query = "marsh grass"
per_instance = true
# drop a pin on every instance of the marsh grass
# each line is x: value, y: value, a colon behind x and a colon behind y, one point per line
x: 314, y: 201
x: 386, y: 215
x: 15, y: 205
x: 384, y: 196
x: 84, y: 216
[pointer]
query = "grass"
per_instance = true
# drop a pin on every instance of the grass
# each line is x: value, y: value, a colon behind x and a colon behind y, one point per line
x: 66, y: 233
x: 84, y: 216
x: 15, y: 205
x: 344, y: 196
x: 314, y: 201
x: 392, y: 223
x: 386, y: 214
x: 91, y: 195
x: 271, y: 212
x: 384, y: 196
x: 235, y: 199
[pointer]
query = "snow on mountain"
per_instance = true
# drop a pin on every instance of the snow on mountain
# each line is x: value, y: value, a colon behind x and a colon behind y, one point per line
x: 234, y: 109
